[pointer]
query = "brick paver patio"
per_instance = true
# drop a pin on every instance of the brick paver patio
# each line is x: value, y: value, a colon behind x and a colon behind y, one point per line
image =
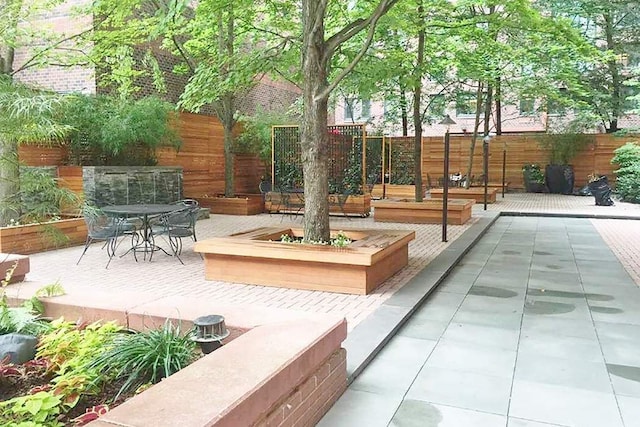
x: 165, y: 276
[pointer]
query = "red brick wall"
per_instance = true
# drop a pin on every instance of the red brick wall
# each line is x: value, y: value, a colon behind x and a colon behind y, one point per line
x: 309, y: 401
x: 63, y: 22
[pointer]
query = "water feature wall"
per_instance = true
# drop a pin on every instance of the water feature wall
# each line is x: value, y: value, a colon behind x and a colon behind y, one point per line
x: 125, y: 185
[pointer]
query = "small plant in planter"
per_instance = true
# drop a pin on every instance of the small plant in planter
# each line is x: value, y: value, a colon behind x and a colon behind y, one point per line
x: 340, y: 240
x: 533, y: 178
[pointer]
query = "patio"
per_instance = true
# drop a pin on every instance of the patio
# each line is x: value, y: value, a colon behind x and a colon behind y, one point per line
x: 373, y: 320
x: 165, y: 277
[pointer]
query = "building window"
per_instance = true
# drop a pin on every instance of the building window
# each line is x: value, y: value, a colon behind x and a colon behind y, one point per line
x: 348, y: 108
x: 365, y: 108
x: 554, y: 108
x: 466, y: 105
x: 356, y: 109
x: 527, y: 107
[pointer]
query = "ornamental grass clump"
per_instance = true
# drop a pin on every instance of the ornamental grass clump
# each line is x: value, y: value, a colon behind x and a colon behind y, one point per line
x: 146, y: 357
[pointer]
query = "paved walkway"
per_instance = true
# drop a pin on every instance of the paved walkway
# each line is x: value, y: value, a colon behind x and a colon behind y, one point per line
x: 538, y: 325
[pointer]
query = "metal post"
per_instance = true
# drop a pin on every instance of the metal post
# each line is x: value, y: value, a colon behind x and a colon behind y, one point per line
x: 445, y: 189
x: 485, y: 157
x: 504, y: 169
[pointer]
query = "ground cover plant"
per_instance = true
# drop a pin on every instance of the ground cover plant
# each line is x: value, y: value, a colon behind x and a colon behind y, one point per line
x: 80, y: 370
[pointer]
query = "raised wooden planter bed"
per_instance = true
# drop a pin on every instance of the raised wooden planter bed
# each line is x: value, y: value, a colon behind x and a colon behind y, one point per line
x: 474, y: 193
x: 242, y: 204
x: 429, y: 211
x: 258, y: 257
x: 32, y: 238
x: 294, y: 202
x: 394, y: 191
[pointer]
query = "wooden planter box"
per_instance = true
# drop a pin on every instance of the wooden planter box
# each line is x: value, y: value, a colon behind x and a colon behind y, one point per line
x: 429, y: 211
x: 32, y: 238
x: 473, y: 193
x: 396, y: 191
x: 242, y: 204
x: 294, y: 202
x: 255, y: 257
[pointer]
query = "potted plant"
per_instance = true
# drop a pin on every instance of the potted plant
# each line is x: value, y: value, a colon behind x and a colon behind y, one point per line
x: 533, y: 179
x: 562, y: 148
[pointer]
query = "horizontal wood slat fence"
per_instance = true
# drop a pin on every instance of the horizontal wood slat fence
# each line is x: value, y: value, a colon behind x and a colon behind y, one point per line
x: 521, y: 149
x: 202, y: 158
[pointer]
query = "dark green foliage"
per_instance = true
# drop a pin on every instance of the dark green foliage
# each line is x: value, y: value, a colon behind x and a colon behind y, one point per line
x: 563, y: 148
x: 256, y: 134
x: 39, y: 198
x: 146, y: 356
x: 533, y: 173
x: 116, y: 132
x: 344, y: 158
x: 628, y: 181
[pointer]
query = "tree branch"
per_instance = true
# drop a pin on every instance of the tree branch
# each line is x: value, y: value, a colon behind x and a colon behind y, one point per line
x: 351, y: 30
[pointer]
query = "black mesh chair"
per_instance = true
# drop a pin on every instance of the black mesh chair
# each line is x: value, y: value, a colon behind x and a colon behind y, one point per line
x: 176, y: 225
x: 101, y: 227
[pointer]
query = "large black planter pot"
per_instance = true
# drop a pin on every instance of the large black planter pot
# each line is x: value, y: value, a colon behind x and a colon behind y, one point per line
x: 559, y: 179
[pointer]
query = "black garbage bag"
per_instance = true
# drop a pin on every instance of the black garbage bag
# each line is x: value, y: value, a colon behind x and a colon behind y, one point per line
x: 601, y: 191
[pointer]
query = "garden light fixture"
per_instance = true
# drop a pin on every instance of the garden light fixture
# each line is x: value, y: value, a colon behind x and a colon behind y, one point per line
x: 447, y: 121
x: 209, y: 332
x: 485, y: 166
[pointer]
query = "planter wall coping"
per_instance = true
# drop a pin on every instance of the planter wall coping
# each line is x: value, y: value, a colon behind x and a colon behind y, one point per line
x: 426, y: 204
x: 368, y: 247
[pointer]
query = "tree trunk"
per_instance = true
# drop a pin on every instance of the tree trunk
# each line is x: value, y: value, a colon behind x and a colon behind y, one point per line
x: 229, y: 169
x: 403, y: 112
x: 9, y: 181
x: 474, y: 137
x: 498, y: 99
x: 615, y: 87
x: 313, y: 135
x: 9, y: 167
x: 226, y: 106
x: 417, y: 117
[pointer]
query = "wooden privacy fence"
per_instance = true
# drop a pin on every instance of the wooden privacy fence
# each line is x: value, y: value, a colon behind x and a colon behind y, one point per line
x: 202, y: 157
x: 520, y: 150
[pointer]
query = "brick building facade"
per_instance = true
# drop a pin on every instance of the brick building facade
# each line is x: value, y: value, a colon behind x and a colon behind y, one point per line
x: 64, y: 20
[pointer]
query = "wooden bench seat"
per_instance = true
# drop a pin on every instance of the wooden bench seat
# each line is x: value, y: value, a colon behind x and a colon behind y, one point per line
x: 429, y: 211
x: 474, y: 193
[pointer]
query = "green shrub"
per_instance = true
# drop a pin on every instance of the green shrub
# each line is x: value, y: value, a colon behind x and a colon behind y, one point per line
x: 628, y: 180
x: 626, y: 155
x: 118, y: 132
x: 563, y: 148
x: 146, y: 357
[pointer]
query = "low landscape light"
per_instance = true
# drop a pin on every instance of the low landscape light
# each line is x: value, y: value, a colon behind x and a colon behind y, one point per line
x: 209, y: 332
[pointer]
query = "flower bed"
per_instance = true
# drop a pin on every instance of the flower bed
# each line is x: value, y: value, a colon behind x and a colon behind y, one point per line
x: 282, y: 367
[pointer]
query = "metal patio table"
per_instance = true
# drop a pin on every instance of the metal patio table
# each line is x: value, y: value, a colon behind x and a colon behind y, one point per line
x: 144, y: 212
